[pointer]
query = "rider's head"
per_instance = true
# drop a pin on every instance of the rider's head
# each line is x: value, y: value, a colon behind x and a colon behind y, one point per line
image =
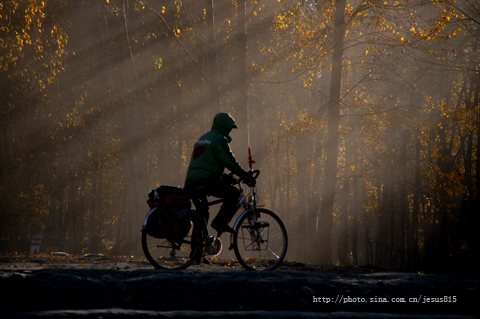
x: 224, y: 122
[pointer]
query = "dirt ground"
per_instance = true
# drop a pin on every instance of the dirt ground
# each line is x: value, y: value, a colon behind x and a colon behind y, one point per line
x: 96, y: 286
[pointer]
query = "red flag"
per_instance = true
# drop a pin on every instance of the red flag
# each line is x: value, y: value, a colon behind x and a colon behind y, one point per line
x: 250, y: 160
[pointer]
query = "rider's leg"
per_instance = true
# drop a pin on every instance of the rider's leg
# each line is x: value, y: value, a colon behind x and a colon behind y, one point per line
x: 202, y: 215
x: 230, y: 195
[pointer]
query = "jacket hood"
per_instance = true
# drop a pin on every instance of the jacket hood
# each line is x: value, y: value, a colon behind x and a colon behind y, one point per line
x: 224, y: 123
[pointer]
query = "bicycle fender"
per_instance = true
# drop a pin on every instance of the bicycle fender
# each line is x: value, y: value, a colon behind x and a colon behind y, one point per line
x: 146, y: 218
x: 237, y: 221
x: 235, y: 227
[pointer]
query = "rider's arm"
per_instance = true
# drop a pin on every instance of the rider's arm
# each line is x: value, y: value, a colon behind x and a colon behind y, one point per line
x: 225, y: 156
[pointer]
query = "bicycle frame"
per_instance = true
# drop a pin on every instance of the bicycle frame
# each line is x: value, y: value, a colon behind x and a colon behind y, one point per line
x: 251, y: 240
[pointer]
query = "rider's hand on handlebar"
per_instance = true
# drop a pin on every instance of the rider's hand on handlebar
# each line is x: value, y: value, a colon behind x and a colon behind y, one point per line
x: 249, y: 179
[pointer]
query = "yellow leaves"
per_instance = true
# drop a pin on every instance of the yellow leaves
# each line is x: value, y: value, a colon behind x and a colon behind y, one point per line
x: 158, y: 63
x: 281, y: 22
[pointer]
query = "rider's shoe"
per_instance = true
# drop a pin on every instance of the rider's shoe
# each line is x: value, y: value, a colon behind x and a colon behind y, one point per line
x: 205, y: 261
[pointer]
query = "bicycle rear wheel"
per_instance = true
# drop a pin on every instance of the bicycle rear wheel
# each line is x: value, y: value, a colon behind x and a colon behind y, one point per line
x: 171, y: 254
x: 260, y: 245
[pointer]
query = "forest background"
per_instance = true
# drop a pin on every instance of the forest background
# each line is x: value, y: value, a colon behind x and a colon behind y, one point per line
x: 363, y: 117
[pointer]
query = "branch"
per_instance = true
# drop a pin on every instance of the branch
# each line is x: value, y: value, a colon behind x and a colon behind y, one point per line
x: 361, y: 7
x: 143, y: 3
x: 462, y: 11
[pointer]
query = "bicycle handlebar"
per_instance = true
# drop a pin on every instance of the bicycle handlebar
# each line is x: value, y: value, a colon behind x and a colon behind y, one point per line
x: 255, y: 173
x: 235, y: 180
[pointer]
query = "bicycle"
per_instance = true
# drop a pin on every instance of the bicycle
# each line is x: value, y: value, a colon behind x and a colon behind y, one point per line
x: 259, y: 239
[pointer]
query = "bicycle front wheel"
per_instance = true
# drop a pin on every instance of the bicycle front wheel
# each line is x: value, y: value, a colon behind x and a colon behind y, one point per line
x: 260, y: 244
x: 168, y: 254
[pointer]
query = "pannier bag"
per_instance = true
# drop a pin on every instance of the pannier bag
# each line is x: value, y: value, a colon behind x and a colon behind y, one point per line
x: 169, y: 196
x: 171, y: 220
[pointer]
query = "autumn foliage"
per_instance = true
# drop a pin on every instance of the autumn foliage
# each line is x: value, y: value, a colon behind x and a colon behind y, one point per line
x: 363, y: 117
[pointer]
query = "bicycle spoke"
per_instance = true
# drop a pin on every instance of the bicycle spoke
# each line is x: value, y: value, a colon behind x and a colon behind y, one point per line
x: 273, y: 253
x: 260, y: 245
x: 163, y: 253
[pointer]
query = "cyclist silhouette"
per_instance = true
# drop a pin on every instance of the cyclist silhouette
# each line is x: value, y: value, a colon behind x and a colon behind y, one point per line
x: 211, y: 155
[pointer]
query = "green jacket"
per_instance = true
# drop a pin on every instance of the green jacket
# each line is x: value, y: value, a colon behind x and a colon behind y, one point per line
x: 212, y: 153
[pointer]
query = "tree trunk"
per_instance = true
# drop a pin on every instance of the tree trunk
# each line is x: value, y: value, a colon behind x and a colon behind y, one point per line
x: 403, y: 213
x: 390, y: 208
x: 50, y: 239
x: 473, y: 220
x: 413, y: 254
x: 343, y: 240
x: 73, y: 212
x: 354, y: 228
x: 132, y: 116
x: 331, y: 148
x: 302, y: 180
x: 214, y: 97
x: 313, y: 200
x: 381, y: 249
x: 241, y: 140
x: 93, y: 219
x: 138, y: 133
